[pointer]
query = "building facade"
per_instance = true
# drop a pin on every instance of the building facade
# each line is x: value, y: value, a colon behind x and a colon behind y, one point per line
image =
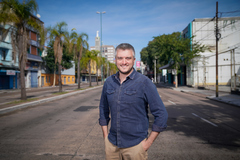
x: 47, y: 78
x: 9, y: 68
x: 9, y: 64
x: 34, y: 60
x: 108, y: 52
x: 202, y: 72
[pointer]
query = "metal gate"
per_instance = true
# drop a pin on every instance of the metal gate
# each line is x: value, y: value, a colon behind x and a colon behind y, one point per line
x: 42, y: 81
x: 4, y: 82
x: 34, y: 80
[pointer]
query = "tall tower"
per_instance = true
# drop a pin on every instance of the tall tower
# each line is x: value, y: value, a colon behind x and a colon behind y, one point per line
x: 97, y: 42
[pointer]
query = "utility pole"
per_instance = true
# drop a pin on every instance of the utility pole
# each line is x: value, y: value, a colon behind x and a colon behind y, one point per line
x: 101, y: 44
x: 217, y: 38
x: 155, y: 66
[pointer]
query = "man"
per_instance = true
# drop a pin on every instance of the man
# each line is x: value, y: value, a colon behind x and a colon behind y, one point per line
x: 127, y: 96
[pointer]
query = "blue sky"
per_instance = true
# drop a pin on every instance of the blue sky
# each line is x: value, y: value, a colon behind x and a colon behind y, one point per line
x: 131, y: 21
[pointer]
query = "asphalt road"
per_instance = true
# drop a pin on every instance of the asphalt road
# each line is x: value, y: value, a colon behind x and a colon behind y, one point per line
x: 7, y: 96
x: 68, y: 129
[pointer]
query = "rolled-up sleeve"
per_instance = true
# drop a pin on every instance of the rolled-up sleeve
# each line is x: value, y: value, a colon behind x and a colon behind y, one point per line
x: 156, y: 106
x: 104, y: 108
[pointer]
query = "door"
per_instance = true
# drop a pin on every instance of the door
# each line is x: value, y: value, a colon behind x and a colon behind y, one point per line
x: 42, y: 81
x: 34, y: 81
x: 4, y: 82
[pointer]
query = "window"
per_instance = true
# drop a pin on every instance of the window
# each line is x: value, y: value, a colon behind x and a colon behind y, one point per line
x: 3, y: 55
x: 33, y: 50
x: 68, y: 79
x: 46, y: 79
x: 72, y: 79
x: 1, y: 35
x: 33, y: 36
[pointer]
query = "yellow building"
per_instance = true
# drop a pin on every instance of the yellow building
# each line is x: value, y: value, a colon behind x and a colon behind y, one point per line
x: 67, y: 75
x: 47, y: 79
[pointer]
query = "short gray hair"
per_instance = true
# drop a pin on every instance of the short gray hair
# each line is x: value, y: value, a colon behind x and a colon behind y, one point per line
x: 125, y: 46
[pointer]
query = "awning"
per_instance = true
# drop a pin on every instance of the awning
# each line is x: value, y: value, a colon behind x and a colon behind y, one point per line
x: 34, y: 58
x: 168, y: 66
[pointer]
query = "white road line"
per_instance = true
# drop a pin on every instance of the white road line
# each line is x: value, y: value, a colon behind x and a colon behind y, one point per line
x: 205, y: 120
x: 171, y: 102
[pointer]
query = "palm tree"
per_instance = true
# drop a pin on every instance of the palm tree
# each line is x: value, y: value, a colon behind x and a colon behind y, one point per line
x: 104, y: 65
x: 112, y: 69
x: 19, y: 15
x: 58, y: 32
x: 89, y: 58
x: 98, y: 63
x: 70, y: 41
x: 81, y: 42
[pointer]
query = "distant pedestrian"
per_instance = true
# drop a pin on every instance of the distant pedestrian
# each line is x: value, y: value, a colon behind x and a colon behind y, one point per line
x: 126, y: 96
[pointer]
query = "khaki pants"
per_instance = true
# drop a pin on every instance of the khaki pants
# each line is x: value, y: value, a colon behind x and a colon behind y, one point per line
x: 132, y: 153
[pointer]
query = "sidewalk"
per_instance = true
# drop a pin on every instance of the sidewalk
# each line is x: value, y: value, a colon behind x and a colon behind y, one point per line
x: 5, y: 108
x: 224, y: 94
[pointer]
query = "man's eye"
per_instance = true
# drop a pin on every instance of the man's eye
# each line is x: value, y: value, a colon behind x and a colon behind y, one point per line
x: 128, y: 58
x: 119, y: 58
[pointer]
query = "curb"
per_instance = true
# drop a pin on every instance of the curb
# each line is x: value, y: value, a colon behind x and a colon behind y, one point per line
x: 208, y: 97
x: 20, y: 106
x: 220, y: 100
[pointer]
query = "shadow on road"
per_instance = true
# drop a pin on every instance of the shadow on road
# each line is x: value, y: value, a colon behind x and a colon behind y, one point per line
x: 222, y: 136
x: 85, y: 108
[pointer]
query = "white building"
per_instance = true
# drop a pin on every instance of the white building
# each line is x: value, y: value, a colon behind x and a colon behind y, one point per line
x: 107, y: 50
x: 203, y: 70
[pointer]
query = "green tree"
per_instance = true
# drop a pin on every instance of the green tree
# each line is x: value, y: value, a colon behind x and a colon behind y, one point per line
x: 88, y: 59
x: 173, y: 49
x: 58, y: 33
x: 98, y: 63
x: 80, y: 44
x: 112, y: 69
x: 49, y: 60
x: 20, y: 15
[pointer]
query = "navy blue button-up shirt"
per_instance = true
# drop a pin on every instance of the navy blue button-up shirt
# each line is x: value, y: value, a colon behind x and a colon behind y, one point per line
x: 128, y: 103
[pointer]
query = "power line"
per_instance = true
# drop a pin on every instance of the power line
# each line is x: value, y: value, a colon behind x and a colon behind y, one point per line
x: 231, y: 11
x: 204, y: 25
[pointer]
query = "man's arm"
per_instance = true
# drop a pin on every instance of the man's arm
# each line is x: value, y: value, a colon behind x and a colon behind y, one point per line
x: 148, y: 142
x: 105, y: 131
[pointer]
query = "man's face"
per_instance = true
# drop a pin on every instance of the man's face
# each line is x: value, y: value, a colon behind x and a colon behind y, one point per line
x: 124, y: 61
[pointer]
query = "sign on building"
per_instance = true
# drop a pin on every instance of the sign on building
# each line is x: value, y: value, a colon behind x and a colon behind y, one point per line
x: 11, y: 72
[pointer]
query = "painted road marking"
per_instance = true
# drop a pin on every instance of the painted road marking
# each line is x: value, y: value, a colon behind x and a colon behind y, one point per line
x: 171, y: 102
x: 205, y: 120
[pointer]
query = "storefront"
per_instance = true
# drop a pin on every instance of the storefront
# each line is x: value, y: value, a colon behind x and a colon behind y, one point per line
x: 8, y: 79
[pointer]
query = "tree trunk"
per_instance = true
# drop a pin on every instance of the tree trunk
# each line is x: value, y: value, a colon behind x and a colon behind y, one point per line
x: 59, y: 77
x: 78, y: 72
x: 90, y: 78
x: 22, y: 65
x: 54, y: 77
x: 176, y: 78
x: 22, y: 79
x: 97, y: 74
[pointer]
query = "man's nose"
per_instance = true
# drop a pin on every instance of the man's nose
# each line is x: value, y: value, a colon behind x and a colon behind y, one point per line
x: 124, y: 61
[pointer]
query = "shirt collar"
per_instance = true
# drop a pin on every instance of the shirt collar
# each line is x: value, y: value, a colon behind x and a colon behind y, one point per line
x: 131, y: 76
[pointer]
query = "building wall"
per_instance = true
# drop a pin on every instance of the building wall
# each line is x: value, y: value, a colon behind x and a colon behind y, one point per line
x: 108, y: 52
x: 8, y: 68
x: 203, y: 70
x: 47, y: 79
x: 68, y: 76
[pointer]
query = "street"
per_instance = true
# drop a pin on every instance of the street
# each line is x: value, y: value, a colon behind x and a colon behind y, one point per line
x: 6, y: 96
x: 68, y: 129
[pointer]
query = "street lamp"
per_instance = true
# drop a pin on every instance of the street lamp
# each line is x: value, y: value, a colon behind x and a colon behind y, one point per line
x: 101, y: 41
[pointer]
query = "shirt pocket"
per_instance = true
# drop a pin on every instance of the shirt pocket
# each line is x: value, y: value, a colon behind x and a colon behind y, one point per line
x: 130, y: 96
x: 110, y: 94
